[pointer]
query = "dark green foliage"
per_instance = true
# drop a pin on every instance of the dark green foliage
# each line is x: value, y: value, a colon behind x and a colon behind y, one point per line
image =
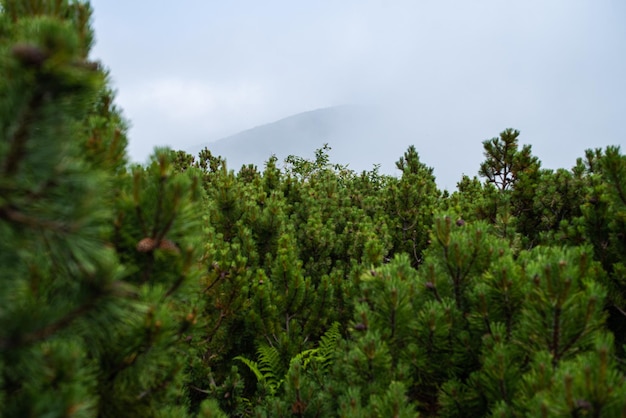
x: 558, y: 197
x: 588, y: 385
x: 60, y: 281
x: 156, y: 238
x: 564, y: 306
x: 93, y: 323
x: 282, y: 253
x: 299, y: 387
x: 506, y: 165
x: 409, y: 204
x: 474, y: 200
x: 182, y: 288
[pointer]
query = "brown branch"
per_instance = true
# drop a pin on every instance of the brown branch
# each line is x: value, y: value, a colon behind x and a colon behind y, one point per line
x: 159, y: 208
x: 619, y: 309
x: 217, y: 326
x: 556, y: 333
x: 161, y: 386
x: 116, y: 288
x: 20, y: 136
x: 174, y: 286
x: 47, y: 331
x: 16, y: 216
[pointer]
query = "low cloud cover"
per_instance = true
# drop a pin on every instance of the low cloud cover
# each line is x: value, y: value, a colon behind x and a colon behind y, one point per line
x: 445, y: 74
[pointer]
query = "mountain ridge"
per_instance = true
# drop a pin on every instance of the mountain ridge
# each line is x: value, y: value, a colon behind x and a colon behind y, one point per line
x: 350, y: 130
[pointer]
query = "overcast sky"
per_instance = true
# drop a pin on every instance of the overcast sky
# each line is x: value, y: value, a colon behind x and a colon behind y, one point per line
x: 451, y: 72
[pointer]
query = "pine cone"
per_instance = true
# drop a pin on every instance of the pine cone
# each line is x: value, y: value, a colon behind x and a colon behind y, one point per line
x: 30, y: 55
x: 87, y: 65
x: 360, y: 327
x: 169, y: 245
x: 146, y: 245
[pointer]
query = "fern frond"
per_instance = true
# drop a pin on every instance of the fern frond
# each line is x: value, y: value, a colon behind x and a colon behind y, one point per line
x: 328, y: 344
x: 270, y: 371
x: 323, y: 353
x: 253, y: 366
x: 269, y: 361
x: 305, y: 357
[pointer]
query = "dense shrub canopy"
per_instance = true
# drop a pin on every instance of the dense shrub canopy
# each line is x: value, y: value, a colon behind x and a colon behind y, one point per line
x: 186, y: 288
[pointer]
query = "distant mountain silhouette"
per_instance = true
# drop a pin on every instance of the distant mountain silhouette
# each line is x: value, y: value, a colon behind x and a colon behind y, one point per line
x: 353, y: 132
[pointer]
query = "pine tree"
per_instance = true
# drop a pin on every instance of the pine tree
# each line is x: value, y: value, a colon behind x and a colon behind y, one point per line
x: 97, y: 263
x: 61, y: 282
x: 504, y: 162
x: 410, y: 202
x: 473, y: 201
x: 603, y: 225
x: 515, y: 173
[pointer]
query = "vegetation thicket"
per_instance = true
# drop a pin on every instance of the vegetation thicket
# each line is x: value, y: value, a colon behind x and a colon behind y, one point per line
x: 184, y: 288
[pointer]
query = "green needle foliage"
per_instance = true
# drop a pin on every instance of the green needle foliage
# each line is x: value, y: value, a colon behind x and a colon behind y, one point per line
x: 410, y: 202
x: 61, y: 281
x: 183, y: 288
x: 95, y: 259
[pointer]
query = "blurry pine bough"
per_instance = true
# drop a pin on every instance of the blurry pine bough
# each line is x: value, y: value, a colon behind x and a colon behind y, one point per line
x: 182, y: 288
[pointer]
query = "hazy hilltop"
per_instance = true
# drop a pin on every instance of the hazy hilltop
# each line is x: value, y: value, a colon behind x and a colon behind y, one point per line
x: 355, y: 134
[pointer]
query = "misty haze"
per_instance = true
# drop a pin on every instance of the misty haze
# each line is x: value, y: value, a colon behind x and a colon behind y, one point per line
x: 443, y: 76
x: 357, y: 135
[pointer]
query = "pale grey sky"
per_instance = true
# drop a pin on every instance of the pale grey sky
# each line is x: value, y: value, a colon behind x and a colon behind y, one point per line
x: 450, y: 72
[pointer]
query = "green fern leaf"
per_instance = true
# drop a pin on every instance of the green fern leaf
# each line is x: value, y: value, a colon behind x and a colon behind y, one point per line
x: 328, y: 344
x: 269, y: 361
x: 305, y: 357
x: 253, y: 366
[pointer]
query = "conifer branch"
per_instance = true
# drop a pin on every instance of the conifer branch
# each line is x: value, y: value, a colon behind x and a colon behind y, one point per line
x: 20, y: 136
x: 47, y: 331
x: 161, y: 386
x: 137, y: 201
x: 433, y: 287
x: 16, y: 216
x: 222, y: 275
x: 217, y: 326
x: 159, y: 202
x: 556, y: 333
x: 620, y: 310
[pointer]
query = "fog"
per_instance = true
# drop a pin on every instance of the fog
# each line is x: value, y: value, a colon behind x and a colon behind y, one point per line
x: 444, y: 75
